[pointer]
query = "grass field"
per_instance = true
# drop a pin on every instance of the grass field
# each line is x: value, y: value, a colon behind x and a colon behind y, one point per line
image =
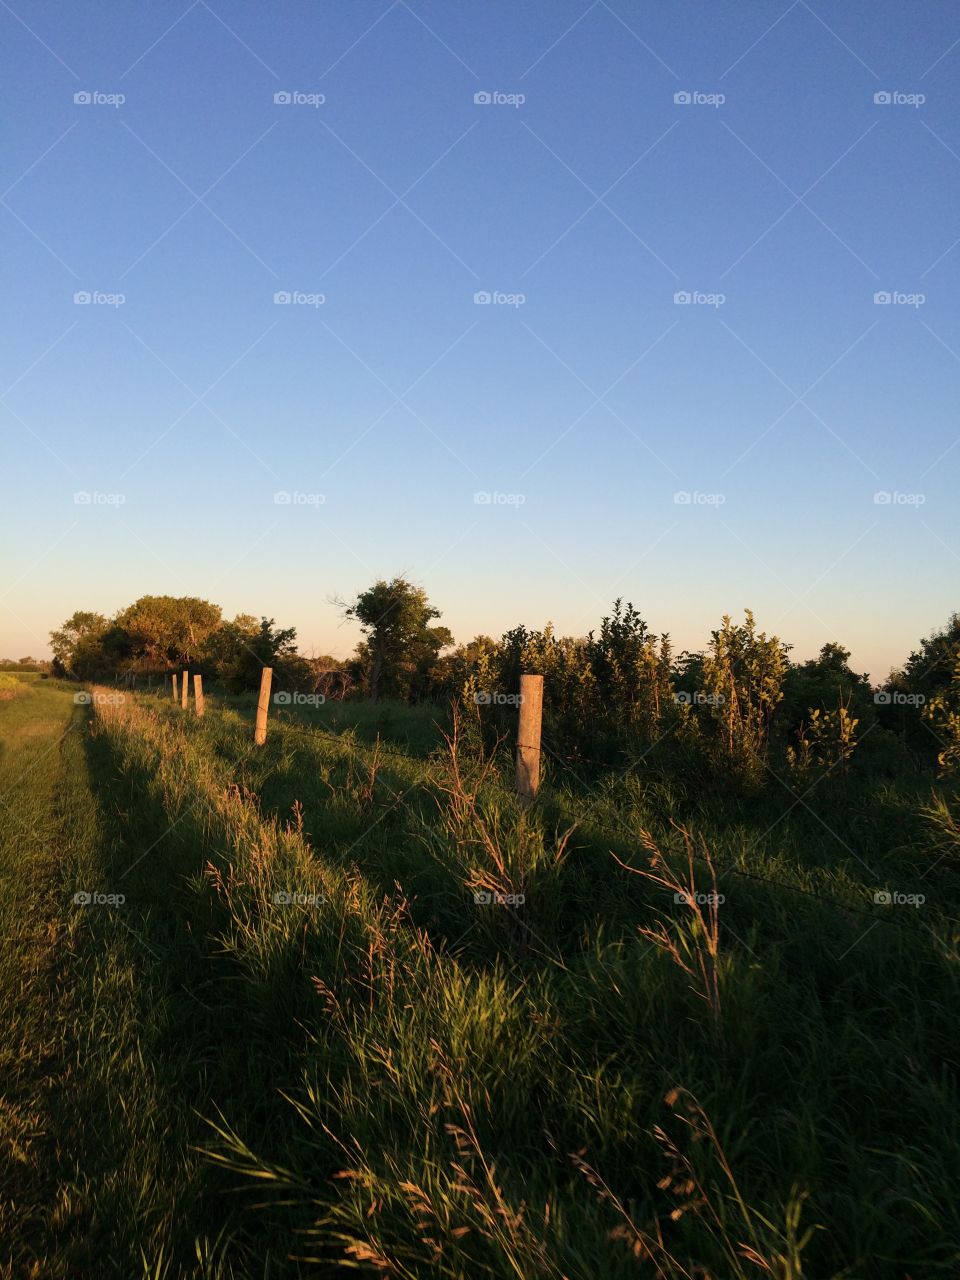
x: 309, y: 1038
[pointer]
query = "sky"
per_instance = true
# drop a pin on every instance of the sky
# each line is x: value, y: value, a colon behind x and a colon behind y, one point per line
x: 540, y: 305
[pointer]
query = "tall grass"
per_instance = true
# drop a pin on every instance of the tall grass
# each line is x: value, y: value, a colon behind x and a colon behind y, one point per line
x: 364, y: 1012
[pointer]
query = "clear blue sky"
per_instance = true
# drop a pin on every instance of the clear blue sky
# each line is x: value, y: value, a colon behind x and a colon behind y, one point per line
x: 399, y: 398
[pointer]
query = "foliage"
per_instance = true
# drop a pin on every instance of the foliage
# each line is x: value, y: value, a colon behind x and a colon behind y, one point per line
x: 825, y: 743
x: 167, y: 631
x: 942, y: 713
x: 398, y: 657
x: 396, y: 1074
x: 76, y: 644
x: 743, y: 674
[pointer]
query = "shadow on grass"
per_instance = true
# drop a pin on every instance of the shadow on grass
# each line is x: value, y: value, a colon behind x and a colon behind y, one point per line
x: 190, y: 1036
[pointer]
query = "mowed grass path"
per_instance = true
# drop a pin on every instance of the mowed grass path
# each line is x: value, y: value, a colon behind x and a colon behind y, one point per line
x: 212, y: 1081
x: 47, y: 833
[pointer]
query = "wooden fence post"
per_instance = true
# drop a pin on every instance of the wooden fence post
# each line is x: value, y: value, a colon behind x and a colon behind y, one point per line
x: 173, y: 679
x: 185, y: 691
x: 198, y: 694
x: 528, y: 738
x: 260, y: 733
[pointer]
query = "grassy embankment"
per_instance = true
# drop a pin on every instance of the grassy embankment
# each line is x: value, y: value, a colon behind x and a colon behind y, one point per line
x: 407, y: 1081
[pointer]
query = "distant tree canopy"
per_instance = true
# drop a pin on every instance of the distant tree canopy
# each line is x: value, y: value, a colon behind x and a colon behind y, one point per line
x: 161, y: 630
x: 739, y: 708
x: 166, y: 633
x: 398, y: 656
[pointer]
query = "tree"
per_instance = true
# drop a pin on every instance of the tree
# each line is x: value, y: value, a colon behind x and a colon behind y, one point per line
x: 168, y: 631
x: 931, y: 668
x: 824, y: 683
x: 80, y: 632
x: 237, y: 652
x: 400, y: 648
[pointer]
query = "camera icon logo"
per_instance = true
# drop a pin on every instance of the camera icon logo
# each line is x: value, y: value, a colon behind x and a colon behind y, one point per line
x: 482, y: 298
x: 682, y: 498
x: 482, y: 99
x: 881, y: 298
x: 283, y: 98
x: 83, y: 98
x: 83, y: 898
x: 482, y: 698
x: 282, y: 498
x: 282, y: 699
x: 682, y: 298
x: 683, y: 98
x: 82, y: 298
x: 82, y: 699
x: 883, y: 698
x: 683, y: 697
x: 883, y: 498
x: 883, y: 898
x: 883, y: 98
x: 282, y: 298
x: 82, y: 499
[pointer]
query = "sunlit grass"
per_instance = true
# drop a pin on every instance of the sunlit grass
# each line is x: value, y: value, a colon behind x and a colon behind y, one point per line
x: 312, y: 1038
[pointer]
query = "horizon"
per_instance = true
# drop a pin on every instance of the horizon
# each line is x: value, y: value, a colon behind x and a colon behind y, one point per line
x: 540, y: 309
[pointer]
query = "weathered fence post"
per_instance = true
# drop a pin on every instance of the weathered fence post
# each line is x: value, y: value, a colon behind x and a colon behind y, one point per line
x: 528, y: 738
x: 198, y: 693
x: 260, y: 733
x: 173, y: 686
x: 185, y: 691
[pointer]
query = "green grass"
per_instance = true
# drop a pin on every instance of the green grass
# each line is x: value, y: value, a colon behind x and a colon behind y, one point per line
x: 385, y: 1076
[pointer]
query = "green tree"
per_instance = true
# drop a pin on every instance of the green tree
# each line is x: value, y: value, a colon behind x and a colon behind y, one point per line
x: 81, y: 633
x: 398, y: 654
x: 931, y: 668
x: 238, y: 651
x: 824, y: 683
x: 168, y: 631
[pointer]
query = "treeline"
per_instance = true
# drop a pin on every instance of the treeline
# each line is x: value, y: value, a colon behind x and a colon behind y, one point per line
x: 618, y: 695
x: 160, y: 634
